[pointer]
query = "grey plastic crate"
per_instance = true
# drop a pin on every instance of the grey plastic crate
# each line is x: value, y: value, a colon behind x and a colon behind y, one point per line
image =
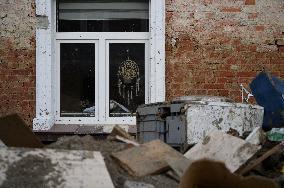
x: 177, y: 127
x: 151, y: 121
x: 164, y: 121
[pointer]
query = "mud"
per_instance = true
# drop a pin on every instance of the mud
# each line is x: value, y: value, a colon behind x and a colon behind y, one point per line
x: 32, y: 171
x: 106, y: 147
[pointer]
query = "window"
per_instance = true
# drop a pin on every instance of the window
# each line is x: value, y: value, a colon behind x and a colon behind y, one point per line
x: 78, y: 55
x: 102, y: 60
x: 103, y: 16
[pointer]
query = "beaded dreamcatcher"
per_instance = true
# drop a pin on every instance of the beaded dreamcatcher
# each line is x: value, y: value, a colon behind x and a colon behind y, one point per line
x: 128, y: 80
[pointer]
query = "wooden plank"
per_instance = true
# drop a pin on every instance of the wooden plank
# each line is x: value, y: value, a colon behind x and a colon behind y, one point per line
x: 148, y: 158
x: 276, y: 149
x: 127, y: 141
x: 22, y: 167
x: 15, y: 133
x: 118, y: 131
x: 218, y: 146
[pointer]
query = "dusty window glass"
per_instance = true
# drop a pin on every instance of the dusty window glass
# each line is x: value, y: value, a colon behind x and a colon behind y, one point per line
x: 126, y: 78
x: 77, y: 79
x: 103, y: 16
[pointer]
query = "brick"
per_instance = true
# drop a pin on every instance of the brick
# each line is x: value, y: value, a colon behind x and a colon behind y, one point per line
x: 280, y: 42
x: 231, y: 9
x: 281, y: 49
x: 252, y: 15
x: 213, y: 86
x: 259, y: 28
x: 249, y: 2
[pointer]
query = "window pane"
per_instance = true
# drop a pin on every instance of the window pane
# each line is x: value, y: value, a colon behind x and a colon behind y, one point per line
x: 103, y: 16
x: 126, y: 78
x: 77, y: 79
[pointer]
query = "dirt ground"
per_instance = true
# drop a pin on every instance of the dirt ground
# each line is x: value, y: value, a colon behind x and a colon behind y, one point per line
x: 107, y: 147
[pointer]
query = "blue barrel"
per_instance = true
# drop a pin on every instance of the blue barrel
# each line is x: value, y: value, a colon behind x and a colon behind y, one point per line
x: 268, y: 92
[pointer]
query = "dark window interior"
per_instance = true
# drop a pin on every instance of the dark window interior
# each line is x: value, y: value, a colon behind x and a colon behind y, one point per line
x: 92, y: 16
x: 77, y: 79
x: 126, y: 78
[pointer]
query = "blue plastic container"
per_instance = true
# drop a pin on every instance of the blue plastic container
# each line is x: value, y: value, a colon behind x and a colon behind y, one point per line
x: 268, y: 91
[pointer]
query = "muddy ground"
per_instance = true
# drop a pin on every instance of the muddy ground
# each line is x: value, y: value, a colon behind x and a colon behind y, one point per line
x: 107, y: 147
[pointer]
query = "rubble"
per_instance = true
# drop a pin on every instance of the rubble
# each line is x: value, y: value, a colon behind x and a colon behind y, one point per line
x: 15, y: 133
x: 120, y: 134
x: 187, y: 120
x: 212, y: 174
x: 120, y: 161
x: 278, y: 148
x: 149, y: 158
x: 276, y: 134
x: 135, y: 184
x: 2, y: 144
x: 218, y: 146
x: 201, y: 118
x: 22, y: 167
x: 107, y: 147
x: 118, y: 131
x: 256, y: 137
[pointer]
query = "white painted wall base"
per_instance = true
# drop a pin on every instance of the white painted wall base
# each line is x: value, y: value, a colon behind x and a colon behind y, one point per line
x: 43, y: 123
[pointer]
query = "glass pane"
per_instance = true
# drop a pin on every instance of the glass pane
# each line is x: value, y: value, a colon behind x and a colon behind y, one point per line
x: 103, y: 16
x: 77, y: 79
x: 126, y: 78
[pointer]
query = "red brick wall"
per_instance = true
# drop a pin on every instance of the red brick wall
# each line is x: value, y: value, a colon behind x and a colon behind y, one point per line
x: 214, y: 45
x: 211, y: 47
x: 17, y: 58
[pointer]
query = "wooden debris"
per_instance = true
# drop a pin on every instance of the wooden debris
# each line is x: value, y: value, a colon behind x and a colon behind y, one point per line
x: 118, y: 131
x: 218, y: 146
x: 149, y: 158
x: 127, y: 141
x: 22, y: 167
x: 276, y: 149
x: 15, y: 133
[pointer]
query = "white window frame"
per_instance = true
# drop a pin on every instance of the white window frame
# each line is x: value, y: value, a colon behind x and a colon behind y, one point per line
x: 46, y: 40
x: 75, y: 120
x: 126, y: 120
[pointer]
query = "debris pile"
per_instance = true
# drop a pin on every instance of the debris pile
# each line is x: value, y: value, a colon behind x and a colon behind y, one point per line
x: 190, y: 142
x: 129, y: 164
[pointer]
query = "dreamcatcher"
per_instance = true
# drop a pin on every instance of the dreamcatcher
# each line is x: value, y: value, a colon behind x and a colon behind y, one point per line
x: 128, y: 79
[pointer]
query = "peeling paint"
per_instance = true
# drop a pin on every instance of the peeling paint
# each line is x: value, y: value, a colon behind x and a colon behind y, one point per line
x: 42, y: 22
x: 225, y: 116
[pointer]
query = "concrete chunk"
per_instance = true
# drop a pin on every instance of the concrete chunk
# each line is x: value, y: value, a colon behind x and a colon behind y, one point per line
x: 2, y: 144
x: 256, y: 137
x: 135, y: 184
x: 21, y: 167
x: 148, y: 158
x: 201, y: 118
x: 218, y: 146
